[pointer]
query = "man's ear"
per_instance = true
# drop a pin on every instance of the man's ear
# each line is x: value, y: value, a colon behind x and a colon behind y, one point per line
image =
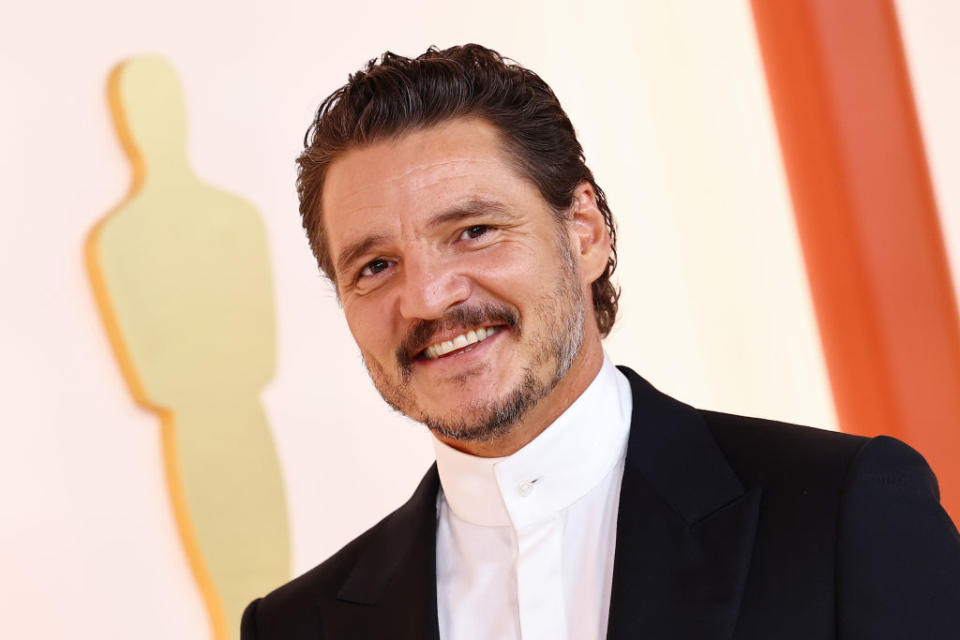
x: 589, y: 235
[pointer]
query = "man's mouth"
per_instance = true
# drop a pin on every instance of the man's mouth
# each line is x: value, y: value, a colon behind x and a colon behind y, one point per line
x: 462, y: 342
x: 461, y: 329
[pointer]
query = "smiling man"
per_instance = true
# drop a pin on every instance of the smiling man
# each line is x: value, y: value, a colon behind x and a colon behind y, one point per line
x: 464, y: 289
x: 447, y: 199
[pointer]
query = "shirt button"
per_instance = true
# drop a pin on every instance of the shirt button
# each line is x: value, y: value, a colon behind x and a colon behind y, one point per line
x: 525, y: 489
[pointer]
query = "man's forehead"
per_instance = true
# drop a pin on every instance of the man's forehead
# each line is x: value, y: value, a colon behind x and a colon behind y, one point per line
x: 443, y: 151
x: 358, y: 185
x: 420, y: 172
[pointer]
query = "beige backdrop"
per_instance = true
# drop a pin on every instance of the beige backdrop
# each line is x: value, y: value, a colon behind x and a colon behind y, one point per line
x: 670, y: 103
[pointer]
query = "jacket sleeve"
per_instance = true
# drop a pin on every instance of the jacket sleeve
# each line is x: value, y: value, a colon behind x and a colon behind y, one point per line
x: 898, y: 555
x: 248, y: 624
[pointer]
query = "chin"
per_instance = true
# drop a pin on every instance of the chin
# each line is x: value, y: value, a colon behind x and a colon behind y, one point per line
x: 473, y: 429
x: 489, y: 418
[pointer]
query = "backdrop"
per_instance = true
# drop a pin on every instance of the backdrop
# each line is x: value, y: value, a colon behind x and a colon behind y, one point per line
x: 672, y: 107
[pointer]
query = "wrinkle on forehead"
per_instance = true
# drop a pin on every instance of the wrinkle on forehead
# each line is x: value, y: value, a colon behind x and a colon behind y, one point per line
x: 434, y: 173
x: 433, y: 165
x: 466, y: 146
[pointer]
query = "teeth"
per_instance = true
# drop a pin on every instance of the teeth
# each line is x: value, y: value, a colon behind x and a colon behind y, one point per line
x: 461, y: 341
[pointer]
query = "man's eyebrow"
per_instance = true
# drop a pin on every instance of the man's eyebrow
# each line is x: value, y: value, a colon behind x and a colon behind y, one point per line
x: 470, y: 209
x: 356, y: 249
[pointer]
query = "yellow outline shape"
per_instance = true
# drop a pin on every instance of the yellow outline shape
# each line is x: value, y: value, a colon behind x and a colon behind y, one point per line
x: 215, y: 610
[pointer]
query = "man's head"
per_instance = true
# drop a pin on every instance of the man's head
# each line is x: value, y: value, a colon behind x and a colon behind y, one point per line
x: 397, y: 94
x: 447, y: 196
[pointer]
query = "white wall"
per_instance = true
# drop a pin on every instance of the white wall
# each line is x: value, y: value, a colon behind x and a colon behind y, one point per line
x: 929, y: 31
x: 670, y: 102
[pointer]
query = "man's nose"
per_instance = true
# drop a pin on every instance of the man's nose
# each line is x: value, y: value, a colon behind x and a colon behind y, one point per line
x: 431, y: 286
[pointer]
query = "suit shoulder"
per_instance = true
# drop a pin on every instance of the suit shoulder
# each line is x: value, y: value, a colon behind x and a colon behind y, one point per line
x: 326, y: 577
x: 293, y: 609
x: 761, y: 451
x: 898, y: 573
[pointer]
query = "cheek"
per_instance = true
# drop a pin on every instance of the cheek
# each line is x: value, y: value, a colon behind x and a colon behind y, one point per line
x: 369, y: 326
x: 507, y: 264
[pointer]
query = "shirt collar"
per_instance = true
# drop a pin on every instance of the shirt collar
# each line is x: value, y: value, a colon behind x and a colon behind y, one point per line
x: 557, y: 468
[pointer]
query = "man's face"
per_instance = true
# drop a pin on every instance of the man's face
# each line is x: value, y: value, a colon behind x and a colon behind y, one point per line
x: 458, y: 283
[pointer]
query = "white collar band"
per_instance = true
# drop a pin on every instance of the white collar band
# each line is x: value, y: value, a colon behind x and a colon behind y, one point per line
x: 550, y: 473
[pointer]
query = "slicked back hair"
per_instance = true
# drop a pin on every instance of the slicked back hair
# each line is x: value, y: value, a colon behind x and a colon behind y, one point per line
x: 394, y: 94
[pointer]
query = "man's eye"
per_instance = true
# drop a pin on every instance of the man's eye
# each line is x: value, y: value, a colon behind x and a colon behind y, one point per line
x: 475, y: 231
x: 374, y: 267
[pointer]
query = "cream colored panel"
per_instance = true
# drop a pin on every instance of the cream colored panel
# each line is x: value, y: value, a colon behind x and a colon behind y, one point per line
x: 86, y: 515
x: 929, y: 32
x: 717, y: 308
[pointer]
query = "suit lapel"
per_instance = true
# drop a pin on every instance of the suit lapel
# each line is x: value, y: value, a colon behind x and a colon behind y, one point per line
x: 684, y: 536
x: 391, y: 591
x: 684, y: 530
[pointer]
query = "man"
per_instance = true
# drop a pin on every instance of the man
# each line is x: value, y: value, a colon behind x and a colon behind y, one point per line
x: 447, y: 199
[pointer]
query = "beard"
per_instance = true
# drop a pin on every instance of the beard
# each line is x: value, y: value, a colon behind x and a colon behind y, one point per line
x: 555, y: 346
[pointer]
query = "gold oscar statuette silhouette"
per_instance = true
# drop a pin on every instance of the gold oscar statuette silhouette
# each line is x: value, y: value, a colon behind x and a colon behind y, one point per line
x: 182, y: 278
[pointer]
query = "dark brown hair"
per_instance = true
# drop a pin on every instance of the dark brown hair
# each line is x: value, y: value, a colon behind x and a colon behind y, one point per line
x: 395, y: 94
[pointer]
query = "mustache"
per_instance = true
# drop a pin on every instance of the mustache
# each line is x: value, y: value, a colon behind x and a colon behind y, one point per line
x: 461, y: 317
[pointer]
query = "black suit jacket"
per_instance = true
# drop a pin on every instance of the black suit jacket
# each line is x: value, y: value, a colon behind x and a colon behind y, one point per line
x: 728, y: 527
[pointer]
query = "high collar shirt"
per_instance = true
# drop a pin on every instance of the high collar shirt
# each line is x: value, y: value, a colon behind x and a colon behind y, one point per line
x: 525, y: 543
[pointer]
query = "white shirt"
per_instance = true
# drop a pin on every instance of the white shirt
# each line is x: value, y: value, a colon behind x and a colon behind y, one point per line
x: 525, y: 543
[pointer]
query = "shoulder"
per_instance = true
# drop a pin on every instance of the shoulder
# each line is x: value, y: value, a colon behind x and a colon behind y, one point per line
x: 787, y: 458
x: 761, y: 451
x: 825, y: 483
x: 293, y: 610
x: 296, y: 609
x: 860, y: 515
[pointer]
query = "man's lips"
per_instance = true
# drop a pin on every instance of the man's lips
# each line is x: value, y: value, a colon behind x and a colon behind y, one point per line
x: 456, y: 341
x: 427, y: 334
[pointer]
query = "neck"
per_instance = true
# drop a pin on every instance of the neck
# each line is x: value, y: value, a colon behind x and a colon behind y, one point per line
x: 582, y: 372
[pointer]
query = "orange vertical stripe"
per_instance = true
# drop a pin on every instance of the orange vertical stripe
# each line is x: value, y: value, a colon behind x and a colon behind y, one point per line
x: 868, y: 222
